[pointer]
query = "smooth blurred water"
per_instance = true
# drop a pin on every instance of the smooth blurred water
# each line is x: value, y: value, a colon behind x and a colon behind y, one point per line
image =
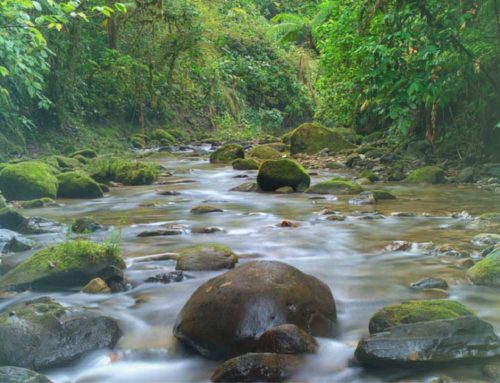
x: 349, y: 256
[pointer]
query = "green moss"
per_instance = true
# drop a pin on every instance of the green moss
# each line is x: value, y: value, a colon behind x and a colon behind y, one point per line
x: 87, y: 153
x: 245, y: 164
x: 416, y: 311
x: 162, y: 137
x: 426, y: 174
x: 335, y: 186
x: 310, y: 138
x: 28, y: 180
x: 81, y: 159
x: 227, y: 153
x: 78, y: 185
x: 369, y: 174
x: 11, y: 219
x: 42, y: 311
x: 274, y: 174
x: 490, y: 217
x: 123, y: 170
x: 264, y: 152
x: 381, y: 195
x: 70, y: 264
x: 206, y: 257
x: 487, y: 271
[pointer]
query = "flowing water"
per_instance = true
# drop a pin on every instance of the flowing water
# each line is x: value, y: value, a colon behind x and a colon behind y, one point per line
x: 349, y: 256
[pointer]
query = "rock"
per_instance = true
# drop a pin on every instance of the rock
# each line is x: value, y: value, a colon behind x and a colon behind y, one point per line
x: 287, y: 339
x: 78, y: 185
x: 284, y: 190
x: 35, y: 203
x: 42, y: 333
x: 310, y: 138
x: 264, y: 152
x: 487, y: 271
x: 335, y: 186
x: 466, y: 175
x: 426, y: 174
x: 430, y: 283
x: 11, y: 219
x: 265, y: 367
x: 174, y: 276
x: 488, y: 220
x: 288, y: 224
x: 96, y: 286
x: 369, y: 174
x: 490, y: 371
x: 124, y: 171
x: 169, y: 192
x: 205, y: 209
x: 275, y: 174
x: 486, y: 239
x: 27, y: 181
x: 247, y: 187
x: 379, y: 195
x: 334, y: 165
x: 228, y: 314
x: 227, y: 153
x: 86, y: 225
x: 399, y: 246
x: 206, y: 257
x: 9, y: 374
x: 336, y: 217
x: 427, y: 343
x: 414, y: 312
x: 87, y: 153
x: 490, y: 170
x: 69, y: 264
x: 160, y: 233
x: 279, y: 146
x: 39, y: 225
x: 396, y: 171
x: 16, y: 244
x: 404, y: 214
x: 245, y: 164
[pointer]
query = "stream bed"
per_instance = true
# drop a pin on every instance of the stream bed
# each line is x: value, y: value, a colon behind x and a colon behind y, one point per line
x: 349, y: 256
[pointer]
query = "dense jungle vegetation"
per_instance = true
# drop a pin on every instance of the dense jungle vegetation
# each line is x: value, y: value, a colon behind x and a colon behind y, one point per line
x: 102, y: 70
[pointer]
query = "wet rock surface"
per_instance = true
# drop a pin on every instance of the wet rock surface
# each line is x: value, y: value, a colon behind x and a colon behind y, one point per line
x: 9, y: 374
x: 286, y: 339
x: 206, y: 257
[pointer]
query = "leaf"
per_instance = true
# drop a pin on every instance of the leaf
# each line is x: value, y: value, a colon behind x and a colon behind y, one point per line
x: 37, y: 5
x: 4, y: 71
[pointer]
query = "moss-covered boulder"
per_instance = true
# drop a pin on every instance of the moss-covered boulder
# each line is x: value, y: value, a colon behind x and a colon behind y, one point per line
x: 274, y: 174
x: 415, y: 312
x: 335, y: 186
x: 161, y: 137
x: 62, y: 162
x: 263, y: 152
x: 245, y: 164
x: 86, y: 225
x: 43, y: 333
x: 369, y: 174
x: 35, y: 203
x: 28, y: 180
x: 487, y: 271
x: 77, y: 185
x: 206, y: 257
x: 11, y: 219
x: 123, y: 170
x: 87, y: 153
x: 378, y: 195
x: 10, y: 374
x: 72, y: 263
x: 426, y: 174
x: 227, y: 153
x: 311, y: 138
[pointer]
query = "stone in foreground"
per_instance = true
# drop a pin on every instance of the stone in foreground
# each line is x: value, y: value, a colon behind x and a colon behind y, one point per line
x: 422, y: 343
x: 487, y: 271
x: 227, y: 315
x: 42, y: 333
x: 263, y: 367
x: 9, y: 374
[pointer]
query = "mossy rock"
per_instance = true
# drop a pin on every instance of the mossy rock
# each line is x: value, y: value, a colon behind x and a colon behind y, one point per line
x: 72, y: 263
x: 489, y: 218
x: 27, y: 181
x: 487, y: 271
x: 87, y: 153
x: 162, y: 137
x: 78, y: 185
x: 335, y: 186
x: 206, y: 257
x: 227, y: 153
x: 245, y: 164
x: 274, y: 174
x: 415, y: 312
x: 426, y: 174
x: 264, y: 152
x: 63, y: 163
x: 125, y: 171
x: 381, y: 195
x: 311, y: 138
x: 11, y: 219
x: 370, y: 174
x: 35, y: 203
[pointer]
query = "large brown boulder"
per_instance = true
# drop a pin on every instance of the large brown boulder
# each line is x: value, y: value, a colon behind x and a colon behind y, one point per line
x: 227, y: 315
